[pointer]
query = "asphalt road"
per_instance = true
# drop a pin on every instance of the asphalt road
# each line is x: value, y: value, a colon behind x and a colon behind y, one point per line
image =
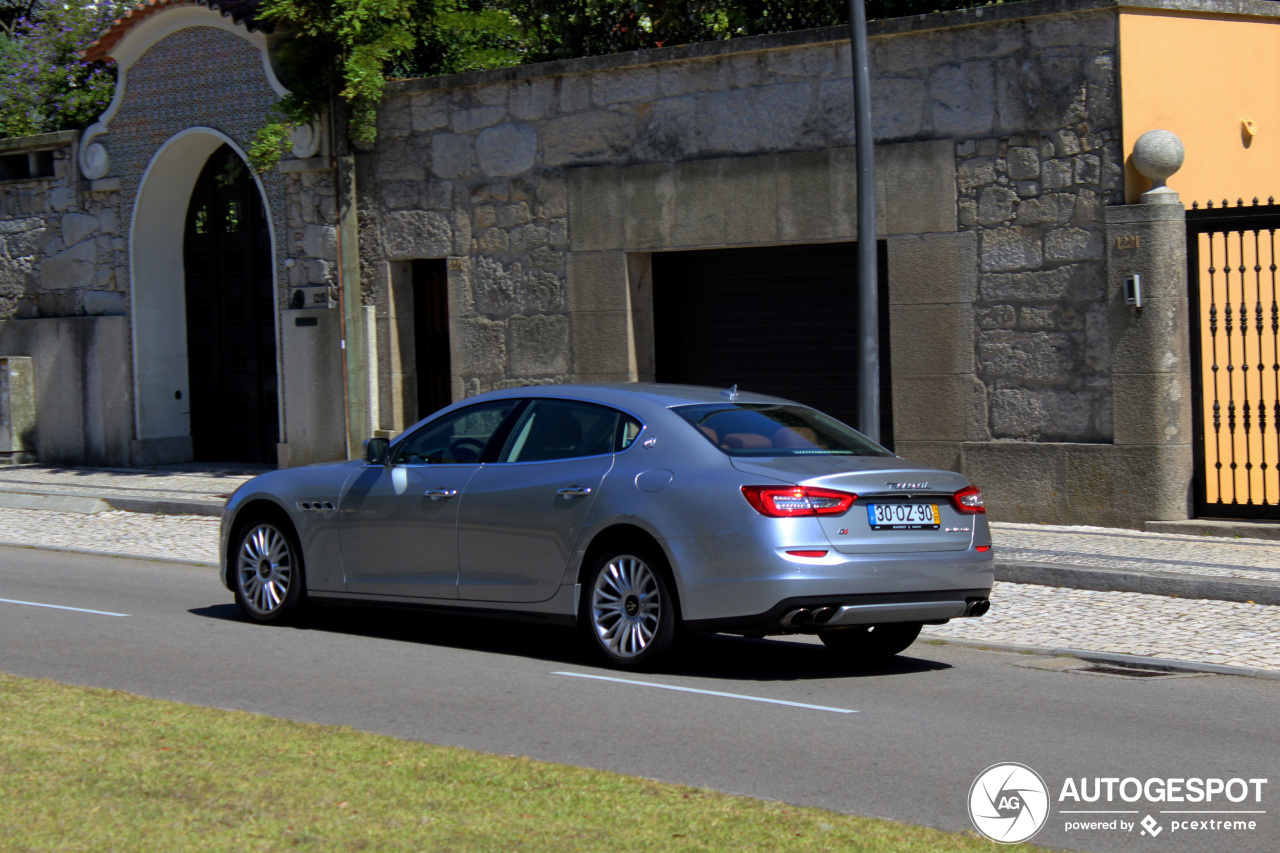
x: 904, y: 741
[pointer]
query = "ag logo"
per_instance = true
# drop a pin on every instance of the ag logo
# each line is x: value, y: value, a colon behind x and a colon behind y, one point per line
x: 1008, y: 803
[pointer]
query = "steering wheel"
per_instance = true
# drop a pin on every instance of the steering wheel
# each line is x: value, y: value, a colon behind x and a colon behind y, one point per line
x: 466, y: 449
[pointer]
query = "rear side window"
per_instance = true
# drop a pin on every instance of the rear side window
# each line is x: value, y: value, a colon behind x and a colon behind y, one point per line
x: 563, y: 429
x: 757, y: 429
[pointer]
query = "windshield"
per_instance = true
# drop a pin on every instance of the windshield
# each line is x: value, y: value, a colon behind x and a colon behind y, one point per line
x: 759, y: 429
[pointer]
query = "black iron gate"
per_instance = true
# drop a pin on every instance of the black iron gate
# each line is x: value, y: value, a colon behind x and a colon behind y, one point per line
x: 231, y: 311
x: 1235, y: 334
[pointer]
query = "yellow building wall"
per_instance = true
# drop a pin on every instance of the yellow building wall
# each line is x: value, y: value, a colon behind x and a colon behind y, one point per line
x: 1202, y: 76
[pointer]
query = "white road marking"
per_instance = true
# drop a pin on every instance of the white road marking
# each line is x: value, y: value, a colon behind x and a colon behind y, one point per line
x: 60, y: 607
x: 709, y: 692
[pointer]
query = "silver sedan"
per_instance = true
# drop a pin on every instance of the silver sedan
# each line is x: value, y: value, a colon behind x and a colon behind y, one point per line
x: 636, y: 512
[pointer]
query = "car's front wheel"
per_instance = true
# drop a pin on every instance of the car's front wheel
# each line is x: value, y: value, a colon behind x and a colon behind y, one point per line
x: 267, y: 563
x: 628, y: 609
x: 870, y: 643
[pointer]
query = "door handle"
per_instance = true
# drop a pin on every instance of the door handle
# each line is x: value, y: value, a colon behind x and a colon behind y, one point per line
x: 440, y: 494
x: 574, y: 492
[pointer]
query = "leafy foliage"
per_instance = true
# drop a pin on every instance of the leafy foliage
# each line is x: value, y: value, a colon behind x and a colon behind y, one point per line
x: 348, y: 48
x: 45, y: 86
x: 12, y: 10
x: 567, y: 30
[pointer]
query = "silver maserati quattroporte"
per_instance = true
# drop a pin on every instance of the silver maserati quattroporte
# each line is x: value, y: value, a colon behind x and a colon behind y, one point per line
x: 633, y: 511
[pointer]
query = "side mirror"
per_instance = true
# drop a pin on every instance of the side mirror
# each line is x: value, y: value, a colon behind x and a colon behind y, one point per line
x: 376, y: 451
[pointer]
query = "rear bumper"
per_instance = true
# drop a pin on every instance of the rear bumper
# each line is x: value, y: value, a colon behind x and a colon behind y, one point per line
x: 866, y: 609
x: 729, y: 579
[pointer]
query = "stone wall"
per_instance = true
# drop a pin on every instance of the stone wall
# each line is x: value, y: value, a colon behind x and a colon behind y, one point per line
x: 62, y: 301
x: 478, y: 168
x: 61, y: 243
x: 1035, y: 194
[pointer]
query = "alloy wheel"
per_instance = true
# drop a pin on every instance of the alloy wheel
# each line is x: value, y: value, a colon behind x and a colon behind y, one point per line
x: 626, y: 606
x: 264, y: 569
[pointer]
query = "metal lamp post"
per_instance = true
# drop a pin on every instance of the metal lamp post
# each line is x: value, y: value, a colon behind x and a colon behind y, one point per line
x: 868, y: 284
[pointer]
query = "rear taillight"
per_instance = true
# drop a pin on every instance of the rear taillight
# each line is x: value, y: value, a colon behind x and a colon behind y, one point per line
x: 793, y: 501
x: 969, y: 500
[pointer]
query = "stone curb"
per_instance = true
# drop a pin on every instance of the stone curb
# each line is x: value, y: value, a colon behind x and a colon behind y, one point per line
x: 89, y: 504
x: 112, y: 554
x: 167, y: 506
x: 1269, y: 530
x: 83, y: 504
x: 1133, y: 661
x: 1148, y: 583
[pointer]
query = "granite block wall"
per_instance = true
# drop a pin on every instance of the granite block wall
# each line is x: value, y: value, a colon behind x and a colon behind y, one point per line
x: 61, y: 243
x: 477, y: 168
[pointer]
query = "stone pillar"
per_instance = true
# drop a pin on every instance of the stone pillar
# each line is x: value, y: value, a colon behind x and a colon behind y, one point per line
x: 1151, y: 356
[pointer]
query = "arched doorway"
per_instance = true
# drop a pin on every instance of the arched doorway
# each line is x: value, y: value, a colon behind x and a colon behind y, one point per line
x: 230, y: 308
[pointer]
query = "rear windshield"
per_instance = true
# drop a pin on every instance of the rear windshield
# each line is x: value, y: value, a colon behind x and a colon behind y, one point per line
x: 757, y: 429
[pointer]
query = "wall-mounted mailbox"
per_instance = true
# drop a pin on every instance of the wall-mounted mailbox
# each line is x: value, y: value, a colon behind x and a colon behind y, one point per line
x: 312, y: 296
x: 1133, y: 291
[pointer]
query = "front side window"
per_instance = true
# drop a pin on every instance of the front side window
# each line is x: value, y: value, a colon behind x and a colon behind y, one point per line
x: 456, y: 438
x: 760, y: 429
x: 563, y: 429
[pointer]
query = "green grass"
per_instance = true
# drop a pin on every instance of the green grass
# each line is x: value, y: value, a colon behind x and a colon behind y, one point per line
x: 90, y: 769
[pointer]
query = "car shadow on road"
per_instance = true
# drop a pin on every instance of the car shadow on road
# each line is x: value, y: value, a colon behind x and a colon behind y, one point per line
x: 718, y: 656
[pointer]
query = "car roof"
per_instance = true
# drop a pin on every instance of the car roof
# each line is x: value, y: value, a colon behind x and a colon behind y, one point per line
x: 622, y: 394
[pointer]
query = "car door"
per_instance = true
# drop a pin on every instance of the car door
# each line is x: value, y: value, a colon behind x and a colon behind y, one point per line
x: 520, y: 517
x: 399, y: 521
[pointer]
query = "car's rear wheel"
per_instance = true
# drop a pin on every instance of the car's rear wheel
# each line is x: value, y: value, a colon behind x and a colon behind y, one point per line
x: 267, y: 563
x: 628, y: 609
x: 871, y: 643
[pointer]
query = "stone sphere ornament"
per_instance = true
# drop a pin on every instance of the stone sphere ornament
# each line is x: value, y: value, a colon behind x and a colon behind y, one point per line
x: 1157, y: 155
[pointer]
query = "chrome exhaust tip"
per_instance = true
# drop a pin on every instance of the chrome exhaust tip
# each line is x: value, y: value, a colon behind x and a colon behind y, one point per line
x: 980, y: 607
x: 796, y: 618
x: 823, y: 615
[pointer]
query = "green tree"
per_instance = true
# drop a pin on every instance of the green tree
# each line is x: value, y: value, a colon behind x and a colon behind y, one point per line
x: 45, y: 86
x: 11, y: 11
x: 348, y: 48
x: 566, y: 30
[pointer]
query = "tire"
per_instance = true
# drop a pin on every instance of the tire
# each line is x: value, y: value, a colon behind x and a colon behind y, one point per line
x: 267, y: 570
x: 871, y: 643
x: 628, y: 610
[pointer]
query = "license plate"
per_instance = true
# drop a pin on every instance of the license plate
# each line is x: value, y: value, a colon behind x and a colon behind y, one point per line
x: 903, y: 516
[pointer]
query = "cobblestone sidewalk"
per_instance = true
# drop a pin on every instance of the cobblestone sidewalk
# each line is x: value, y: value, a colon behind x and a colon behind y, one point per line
x: 1135, y: 550
x: 126, y: 482
x: 1221, y: 632
x: 189, y: 538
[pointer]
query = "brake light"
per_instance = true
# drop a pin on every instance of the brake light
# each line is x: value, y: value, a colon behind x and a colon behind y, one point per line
x: 794, y: 501
x: 969, y: 500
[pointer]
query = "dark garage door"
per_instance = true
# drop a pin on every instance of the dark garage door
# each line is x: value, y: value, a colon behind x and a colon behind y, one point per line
x: 775, y: 320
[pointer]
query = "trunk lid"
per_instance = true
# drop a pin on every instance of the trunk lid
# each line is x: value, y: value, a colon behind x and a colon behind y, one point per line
x: 905, y: 493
